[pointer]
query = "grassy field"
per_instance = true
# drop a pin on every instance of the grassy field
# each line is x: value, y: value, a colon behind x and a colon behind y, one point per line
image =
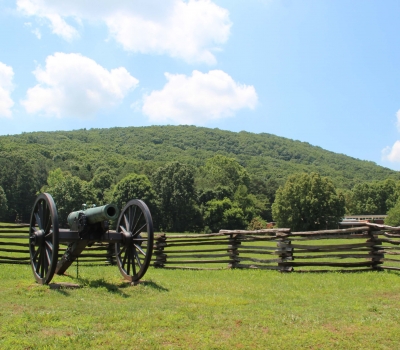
x: 175, y: 309
x: 183, y: 309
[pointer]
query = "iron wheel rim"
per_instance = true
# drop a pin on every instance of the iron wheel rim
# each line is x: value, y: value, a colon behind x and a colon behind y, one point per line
x: 44, y: 238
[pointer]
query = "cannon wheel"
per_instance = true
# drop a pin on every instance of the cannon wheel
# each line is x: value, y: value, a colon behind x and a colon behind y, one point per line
x: 43, y: 238
x: 133, y: 255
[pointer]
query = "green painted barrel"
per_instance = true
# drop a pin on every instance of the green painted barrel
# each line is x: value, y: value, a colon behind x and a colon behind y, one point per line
x: 93, y: 215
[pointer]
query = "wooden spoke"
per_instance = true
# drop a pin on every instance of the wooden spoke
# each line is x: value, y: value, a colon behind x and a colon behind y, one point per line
x: 121, y: 251
x: 132, y: 210
x: 129, y: 262
x: 138, y: 259
x: 126, y: 254
x: 140, y: 249
x: 37, y: 266
x: 36, y: 255
x: 39, y: 223
x: 134, y: 227
x: 48, y: 226
x: 124, y: 230
x: 49, y: 246
x: 133, y: 262
x: 140, y: 230
x: 126, y: 220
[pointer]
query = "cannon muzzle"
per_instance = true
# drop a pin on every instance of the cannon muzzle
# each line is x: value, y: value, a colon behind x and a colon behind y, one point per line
x: 92, y: 215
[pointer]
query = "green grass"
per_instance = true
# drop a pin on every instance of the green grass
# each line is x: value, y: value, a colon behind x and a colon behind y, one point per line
x: 175, y: 309
x: 183, y: 309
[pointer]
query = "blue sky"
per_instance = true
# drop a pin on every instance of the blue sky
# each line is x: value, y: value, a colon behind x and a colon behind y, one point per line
x: 323, y: 72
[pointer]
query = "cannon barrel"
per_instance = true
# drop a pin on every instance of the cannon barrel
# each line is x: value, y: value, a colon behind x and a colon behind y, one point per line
x: 93, y: 215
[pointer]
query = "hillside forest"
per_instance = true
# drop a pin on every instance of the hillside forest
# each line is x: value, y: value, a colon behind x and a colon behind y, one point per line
x: 193, y: 179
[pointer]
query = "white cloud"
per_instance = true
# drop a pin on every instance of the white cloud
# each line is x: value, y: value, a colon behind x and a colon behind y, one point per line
x: 72, y: 85
x: 41, y: 9
x: 190, y: 30
x: 6, y: 87
x: 34, y: 31
x: 198, y: 99
x: 392, y: 154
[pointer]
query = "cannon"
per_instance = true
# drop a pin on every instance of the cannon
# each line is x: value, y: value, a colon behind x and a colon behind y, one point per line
x: 133, y: 237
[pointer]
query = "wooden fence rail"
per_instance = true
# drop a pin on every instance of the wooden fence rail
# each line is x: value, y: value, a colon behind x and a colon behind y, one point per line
x: 360, y: 248
x: 14, y: 248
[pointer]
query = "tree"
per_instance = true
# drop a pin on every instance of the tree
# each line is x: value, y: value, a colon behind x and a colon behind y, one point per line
x: 265, y: 193
x: 3, y: 203
x: 223, y: 171
x: 308, y: 202
x: 20, y: 179
x: 101, y: 184
x: 372, y: 198
x: 176, y: 195
x: 219, y: 193
x: 223, y: 214
x: 69, y: 193
x: 247, y: 202
x: 393, y: 218
x: 133, y: 186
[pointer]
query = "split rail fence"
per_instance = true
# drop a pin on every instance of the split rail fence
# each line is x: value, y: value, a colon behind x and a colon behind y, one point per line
x: 363, y: 247
x: 14, y: 248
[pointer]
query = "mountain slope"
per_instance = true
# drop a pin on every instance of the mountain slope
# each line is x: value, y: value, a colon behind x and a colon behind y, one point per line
x: 143, y: 149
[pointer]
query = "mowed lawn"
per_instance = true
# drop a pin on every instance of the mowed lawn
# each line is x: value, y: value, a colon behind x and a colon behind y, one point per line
x: 176, y: 309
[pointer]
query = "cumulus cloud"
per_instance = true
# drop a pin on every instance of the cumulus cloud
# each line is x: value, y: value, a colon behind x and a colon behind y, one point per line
x: 41, y: 9
x: 392, y: 154
x: 72, y: 85
x: 198, y: 98
x: 6, y: 87
x: 191, y: 30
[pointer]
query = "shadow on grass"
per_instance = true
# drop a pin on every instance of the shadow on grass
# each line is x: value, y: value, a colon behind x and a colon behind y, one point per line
x: 110, y: 287
x: 154, y: 285
x: 63, y: 292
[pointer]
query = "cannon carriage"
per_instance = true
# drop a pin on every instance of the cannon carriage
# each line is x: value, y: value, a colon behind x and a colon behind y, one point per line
x: 133, y: 237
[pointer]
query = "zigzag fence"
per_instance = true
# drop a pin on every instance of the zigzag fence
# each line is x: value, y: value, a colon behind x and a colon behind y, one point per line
x: 14, y: 248
x: 363, y: 247
x: 359, y: 248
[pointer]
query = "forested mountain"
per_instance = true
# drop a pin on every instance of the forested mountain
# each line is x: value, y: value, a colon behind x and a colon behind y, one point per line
x: 26, y: 159
x: 142, y: 149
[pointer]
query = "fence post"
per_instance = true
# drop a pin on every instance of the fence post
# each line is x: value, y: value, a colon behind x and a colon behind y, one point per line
x: 376, y: 254
x: 111, y: 254
x: 234, y: 243
x: 285, y: 251
x: 158, y: 250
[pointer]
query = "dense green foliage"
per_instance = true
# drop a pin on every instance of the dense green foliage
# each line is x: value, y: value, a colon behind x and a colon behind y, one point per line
x: 393, y: 218
x: 176, y: 198
x: 133, y: 186
x: 308, y: 202
x: 243, y: 167
x: 373, y: 198
x: 21, y: 176
x: 3, y: 203
x: 69, y: 193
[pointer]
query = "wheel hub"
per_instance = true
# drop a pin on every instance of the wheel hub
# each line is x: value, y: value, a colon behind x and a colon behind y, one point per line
x: 38, y: 237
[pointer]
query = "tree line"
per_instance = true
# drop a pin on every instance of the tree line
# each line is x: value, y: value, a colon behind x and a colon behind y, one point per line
x: 219, y: 194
